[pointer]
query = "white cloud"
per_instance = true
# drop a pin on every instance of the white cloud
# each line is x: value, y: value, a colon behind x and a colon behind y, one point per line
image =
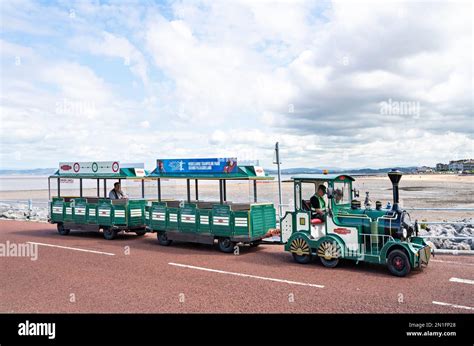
x: 232, y: 78
x: 108, y: 44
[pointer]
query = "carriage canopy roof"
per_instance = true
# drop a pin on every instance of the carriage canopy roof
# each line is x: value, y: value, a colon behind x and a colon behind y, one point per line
x: 207, y: 168
x: 100, y: 170
x: 322, y: 177
x: 240, y: 173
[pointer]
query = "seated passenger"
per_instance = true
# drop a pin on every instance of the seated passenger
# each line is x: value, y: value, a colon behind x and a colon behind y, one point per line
x: 318, y: 204
x: 116, y: 192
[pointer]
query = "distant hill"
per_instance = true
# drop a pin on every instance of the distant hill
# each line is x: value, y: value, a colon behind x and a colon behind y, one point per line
x: 288, y: 171
x: 36, y: 171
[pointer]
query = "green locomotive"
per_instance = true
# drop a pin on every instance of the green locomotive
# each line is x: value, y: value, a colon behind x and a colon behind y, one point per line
x: 349, y: 231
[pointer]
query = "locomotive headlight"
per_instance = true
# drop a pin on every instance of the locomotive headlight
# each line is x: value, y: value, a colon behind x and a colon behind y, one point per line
x: 404, y: 232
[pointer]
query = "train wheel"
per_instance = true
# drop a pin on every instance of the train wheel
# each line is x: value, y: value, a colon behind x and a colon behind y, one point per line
x: 398, y: 263
x: 300, y: 250
x: 163, y: 239
x: 109, y: 233
x: 226, y: 245
x: 62, y: 230
x: 329, y: 254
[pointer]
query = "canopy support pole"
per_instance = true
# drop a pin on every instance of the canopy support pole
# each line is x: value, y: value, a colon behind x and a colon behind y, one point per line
x: 224, y: 185
x: 255, y: 191
x: 105, y: 188
x: 188, y: 189
x: 143, y: 188
x: 221, y: 195
x: 59, y: 187
x: 49, y: 188
x: 196, y: 189
x: 277, y: 157
x: 98, y: 188
x: 158, y: 186
x: 80, y: 187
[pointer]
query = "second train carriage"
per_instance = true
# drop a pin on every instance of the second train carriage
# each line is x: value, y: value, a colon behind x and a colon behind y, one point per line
x: 196, y: 220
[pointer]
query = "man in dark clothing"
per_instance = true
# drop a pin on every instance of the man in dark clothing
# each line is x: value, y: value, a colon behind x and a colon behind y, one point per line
x: 116, y: 192
x: 318, y: 204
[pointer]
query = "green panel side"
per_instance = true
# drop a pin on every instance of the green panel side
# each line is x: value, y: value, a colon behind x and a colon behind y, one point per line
x: 204, y: 220
x: 158, y: 216
x: 262, y: 219
x: 92, y: 213
x: 172, y: 218
x: 104, y: 212
x: 221, y: 220
x: 68, y: 212
x: 240, y: 220
x: 136, y: 213
x: 79, y: 211
x: 57, y: 210
x: 119, y: 215
x: 188, y: 220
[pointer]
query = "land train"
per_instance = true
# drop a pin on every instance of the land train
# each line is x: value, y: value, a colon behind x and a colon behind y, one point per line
x: 344, y: 230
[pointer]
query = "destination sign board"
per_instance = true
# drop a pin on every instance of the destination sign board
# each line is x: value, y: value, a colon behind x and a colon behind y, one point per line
x: 212, y: 165
x: 96, y: 167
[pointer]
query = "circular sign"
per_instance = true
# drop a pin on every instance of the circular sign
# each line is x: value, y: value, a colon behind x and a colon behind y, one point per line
x: 76, y: 167
x: 95, y: 167
x: 115, y: 167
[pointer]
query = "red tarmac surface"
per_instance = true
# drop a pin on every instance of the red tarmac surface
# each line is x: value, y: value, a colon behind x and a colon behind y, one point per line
x: 144, y: 281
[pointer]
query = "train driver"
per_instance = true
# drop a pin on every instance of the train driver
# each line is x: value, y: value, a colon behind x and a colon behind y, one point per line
x: 318, y: 204
x: 338, y: 195
x: 116, y: 192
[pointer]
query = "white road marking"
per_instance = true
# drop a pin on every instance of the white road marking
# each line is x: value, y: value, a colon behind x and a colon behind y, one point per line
x: 73, y: 248
x: 453, y: 305
x: 245, y: 275
x: 453, y: 262
x: 463, y: 281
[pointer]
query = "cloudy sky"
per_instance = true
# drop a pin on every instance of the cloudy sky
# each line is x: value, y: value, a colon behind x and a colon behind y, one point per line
x: 337, y: 83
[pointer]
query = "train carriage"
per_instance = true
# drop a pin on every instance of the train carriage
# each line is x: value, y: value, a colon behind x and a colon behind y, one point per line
x: 195, y: 220
x: 98, y: 211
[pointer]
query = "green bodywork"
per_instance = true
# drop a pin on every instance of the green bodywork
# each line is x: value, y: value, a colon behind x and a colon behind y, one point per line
x: 246, y: 223
x: 123, y: 214
x: 376, y: 229
x: 101, y: 212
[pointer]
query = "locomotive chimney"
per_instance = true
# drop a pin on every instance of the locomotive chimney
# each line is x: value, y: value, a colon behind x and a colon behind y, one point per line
x: 395, y: 176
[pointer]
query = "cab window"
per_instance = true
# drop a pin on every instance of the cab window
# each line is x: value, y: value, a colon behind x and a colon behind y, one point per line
x: 342, y: 192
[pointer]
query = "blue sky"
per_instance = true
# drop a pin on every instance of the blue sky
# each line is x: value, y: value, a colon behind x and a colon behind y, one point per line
x: 138, y: 80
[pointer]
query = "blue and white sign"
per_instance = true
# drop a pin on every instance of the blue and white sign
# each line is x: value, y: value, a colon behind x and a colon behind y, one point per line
x: 213, y: 165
